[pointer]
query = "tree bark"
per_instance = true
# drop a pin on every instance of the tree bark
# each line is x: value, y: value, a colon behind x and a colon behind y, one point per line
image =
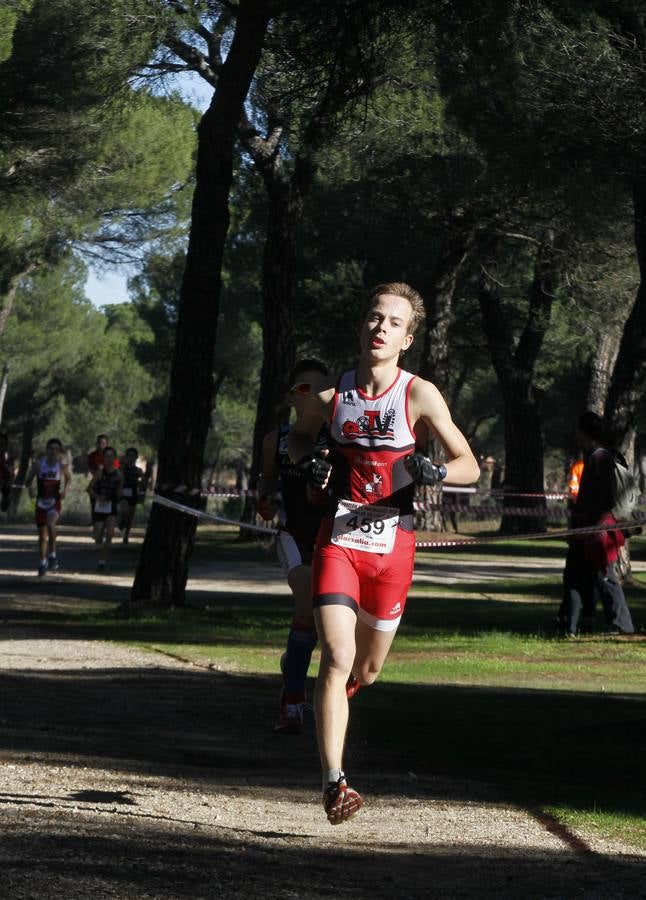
x: 8, y: 288
x: 514, y: 363
x: 160, y: 580
x: 286, y: 203
x: 24, y: 463
x: 4, y: 384
x: 629, y: 373
x: 601, y: 367
x: 438, y: 305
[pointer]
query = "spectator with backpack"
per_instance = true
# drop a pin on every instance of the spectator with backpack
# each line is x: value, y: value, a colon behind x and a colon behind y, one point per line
x: 605, y: 497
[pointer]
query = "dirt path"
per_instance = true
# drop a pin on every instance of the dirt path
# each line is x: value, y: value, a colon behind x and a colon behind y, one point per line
x: 129, y: 774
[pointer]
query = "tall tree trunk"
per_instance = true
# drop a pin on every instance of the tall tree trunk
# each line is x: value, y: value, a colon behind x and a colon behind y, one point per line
x: 278, y: 341
x: 160, y: 580
x: 8, y: 289
x: 23, y: 465
x: 629, y: 373
x: 601, y: 367
x: 286, y: 203
x: 438, y: 304
x: 4, y: 384
x: 514, y: 362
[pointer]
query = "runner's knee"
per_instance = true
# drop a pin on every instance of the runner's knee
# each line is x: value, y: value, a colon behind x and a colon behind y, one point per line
x: 367, y: 673
x: 337, y: 660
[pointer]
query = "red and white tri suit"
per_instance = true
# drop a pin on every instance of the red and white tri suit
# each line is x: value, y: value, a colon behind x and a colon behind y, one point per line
x: 48, y: 498
x: 365, y: 548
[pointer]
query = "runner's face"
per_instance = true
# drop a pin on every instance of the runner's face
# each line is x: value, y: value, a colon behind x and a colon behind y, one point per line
x: 101, y: 444
x: 53, y: 452
x: 108, y: 460
x: 385, y: 330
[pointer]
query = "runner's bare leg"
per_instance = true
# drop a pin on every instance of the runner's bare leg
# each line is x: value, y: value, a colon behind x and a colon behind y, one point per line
x: 335, y: 626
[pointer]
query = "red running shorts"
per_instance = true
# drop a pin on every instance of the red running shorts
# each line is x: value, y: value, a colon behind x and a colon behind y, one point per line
x: 374, y: 585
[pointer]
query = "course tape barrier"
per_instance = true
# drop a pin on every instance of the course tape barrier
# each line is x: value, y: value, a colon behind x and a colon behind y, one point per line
x: 464, y: 542
x: 201, y: 514
x: 478, y: 512
x: 446, y: 489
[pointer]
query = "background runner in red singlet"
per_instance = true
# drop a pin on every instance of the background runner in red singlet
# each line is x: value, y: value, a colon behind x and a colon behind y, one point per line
x: 49, y: 471
x: 363, y: 560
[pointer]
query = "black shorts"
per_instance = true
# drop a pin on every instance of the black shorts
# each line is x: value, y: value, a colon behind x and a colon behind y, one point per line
x: 293, y: 551
x: 102, y: 516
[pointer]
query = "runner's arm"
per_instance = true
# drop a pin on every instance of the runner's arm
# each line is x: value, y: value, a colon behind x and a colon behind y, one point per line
x: 268, y: 483
x: 67, y: 479
x: 30, y: 477
x: 303, y: 434
x: 90, y: 488
x: 119, y: 484
x: 427, y: 404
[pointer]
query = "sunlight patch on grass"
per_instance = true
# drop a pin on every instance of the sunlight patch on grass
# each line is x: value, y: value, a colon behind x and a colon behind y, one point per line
x: 596, y: 823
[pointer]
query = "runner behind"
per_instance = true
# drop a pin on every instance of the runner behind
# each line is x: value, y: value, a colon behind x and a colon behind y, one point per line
x: 105, y: 491
x: 283, y: 488
x: 49, y: 471
x: 132, y: 491
x: 363, y: 560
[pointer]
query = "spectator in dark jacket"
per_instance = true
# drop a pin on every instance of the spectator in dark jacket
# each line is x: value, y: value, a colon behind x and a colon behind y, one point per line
x: 590, y: 564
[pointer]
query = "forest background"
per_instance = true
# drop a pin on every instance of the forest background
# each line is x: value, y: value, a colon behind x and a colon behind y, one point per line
x: 491, y: 154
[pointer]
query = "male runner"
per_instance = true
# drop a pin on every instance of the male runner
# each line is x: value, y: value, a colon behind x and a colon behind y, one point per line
x: 363, y: 560
x: 105, y: 491
x: 300, y: 513
x: 49, y: 470
x: 95, y: 457
x: 132, y: 491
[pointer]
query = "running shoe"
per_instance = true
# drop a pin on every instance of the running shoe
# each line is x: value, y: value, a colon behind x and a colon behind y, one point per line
x: 290, y: 720
x: 53, y: 564
x: 125, y: 539
x: 340, y: 801
x: 351, y: 686
x: 42, y: 569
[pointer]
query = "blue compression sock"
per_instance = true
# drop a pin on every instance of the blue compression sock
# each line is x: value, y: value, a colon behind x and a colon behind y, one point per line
x: 300, y: 645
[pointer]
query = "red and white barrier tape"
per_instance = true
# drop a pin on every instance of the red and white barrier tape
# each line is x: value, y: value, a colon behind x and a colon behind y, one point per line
x: 446, y: 489
x: 421, y: 545
x: 200, y: 514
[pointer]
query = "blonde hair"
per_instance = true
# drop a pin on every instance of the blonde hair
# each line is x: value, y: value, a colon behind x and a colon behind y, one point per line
x: 400, y: 289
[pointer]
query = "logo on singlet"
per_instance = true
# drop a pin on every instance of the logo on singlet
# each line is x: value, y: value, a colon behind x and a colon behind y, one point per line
x: 348, y: 398
x: 372, y: 425
x: 375, y: 486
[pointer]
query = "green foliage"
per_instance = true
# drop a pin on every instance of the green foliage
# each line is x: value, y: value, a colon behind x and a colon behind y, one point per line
x: 9, y: 15
x: 72, y: 367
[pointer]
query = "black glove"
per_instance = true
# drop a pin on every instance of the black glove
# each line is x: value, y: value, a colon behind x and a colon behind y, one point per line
x: 315, y: 469
x: 422, y: 470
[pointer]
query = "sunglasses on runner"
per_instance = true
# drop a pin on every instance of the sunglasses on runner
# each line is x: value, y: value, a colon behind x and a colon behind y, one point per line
x: 301, y: 388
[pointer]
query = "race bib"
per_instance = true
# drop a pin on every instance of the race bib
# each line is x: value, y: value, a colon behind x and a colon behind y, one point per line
x: 127, y: 492
x: 46, y: 502
x: 362, y: 526
x: 103, y: 506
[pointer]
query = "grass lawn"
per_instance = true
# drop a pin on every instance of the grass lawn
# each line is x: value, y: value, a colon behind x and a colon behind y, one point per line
x: 477, y: 684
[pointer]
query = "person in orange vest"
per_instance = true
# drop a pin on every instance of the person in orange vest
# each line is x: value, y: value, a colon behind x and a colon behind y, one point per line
x: 573, y: 483
x: 574, y: 477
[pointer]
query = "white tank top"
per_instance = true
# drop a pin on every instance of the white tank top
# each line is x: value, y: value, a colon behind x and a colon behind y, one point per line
x: 371, y: 436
